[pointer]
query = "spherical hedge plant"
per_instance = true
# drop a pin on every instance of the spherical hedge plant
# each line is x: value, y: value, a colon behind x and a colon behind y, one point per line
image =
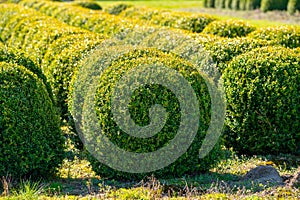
x: 32, y: 145
x: 103, y: 23
x: 88, y: 5
x: 116, y: 9
x: 18, y: 57
x: 62, y: 59
x: 139, y: 107
x: 186, y: 21
x: 229, y: 28
x: 287, y: 36
x: 225, y: 49
x: 57, y: 49
x: 262, y: 89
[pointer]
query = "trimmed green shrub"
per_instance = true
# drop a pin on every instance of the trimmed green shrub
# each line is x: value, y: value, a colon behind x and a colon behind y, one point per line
x: 32, y: 145
x: 191, y: 22
x: 204, y: 39
x: 19, y: 58
x: 224, y: 50
x: 287, y: 36
x: 89, y: 5
x: 31, y: 31
x: 229, y: 28
x: 235, y: 4
x: 142, y: 100
x: 43, y: 38
x: 267, y: 5
x: 62, y: 59
x: 195, y: 22
x: 221, y: 50
x: 262, y: 89
x: 95, y: 21
x: 117, y: 8
x: 36, y: 34
x: 102, y: 22
x: 292, y: 6
x: 58, y: 49
x: 7, y: 12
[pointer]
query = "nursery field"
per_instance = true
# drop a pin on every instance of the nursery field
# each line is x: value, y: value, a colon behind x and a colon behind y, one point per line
x: 149, y: 100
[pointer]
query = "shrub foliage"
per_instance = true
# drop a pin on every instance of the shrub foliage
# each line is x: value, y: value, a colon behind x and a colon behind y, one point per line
x: 287, y: 36
x: 191, y: 22
x: 32, y: 145
x: 117, y: 8
x: 262, y: 89
x: 142, y: 100
x: 53, y: 45
x: 89, y: 5
x: 229, y: 28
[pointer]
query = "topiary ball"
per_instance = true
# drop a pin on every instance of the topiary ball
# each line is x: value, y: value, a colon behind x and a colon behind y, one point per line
x: 139, y: 107
x: 263, y: 101
x: 31, y: 142
x: 287, y: 36
x: 89, y: 5
x: 117, y: 8
x: 229, y: 28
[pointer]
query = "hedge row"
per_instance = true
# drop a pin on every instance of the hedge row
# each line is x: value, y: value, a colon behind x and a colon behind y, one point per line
x: 287, y: 36
x: 55, y: 46
x: 20, y: 59
x: 88, y: 4
x: 187, y: 21
x: 32, y: 145
x: 116, y: 9
x: 64, y: 46
x: 220, y: 49
x: 224, y: 50
x: 90, y: 20
x: 257, y: 118
x: 229, y: 28
x: 95, y: 21
x: 244, y: 87
x: 181, y: 20
x: 102, y: 22
x: 263, y: 107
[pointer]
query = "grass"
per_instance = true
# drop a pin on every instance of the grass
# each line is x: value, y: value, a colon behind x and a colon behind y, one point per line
x: 76, y: 180
x: 158, y: 4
